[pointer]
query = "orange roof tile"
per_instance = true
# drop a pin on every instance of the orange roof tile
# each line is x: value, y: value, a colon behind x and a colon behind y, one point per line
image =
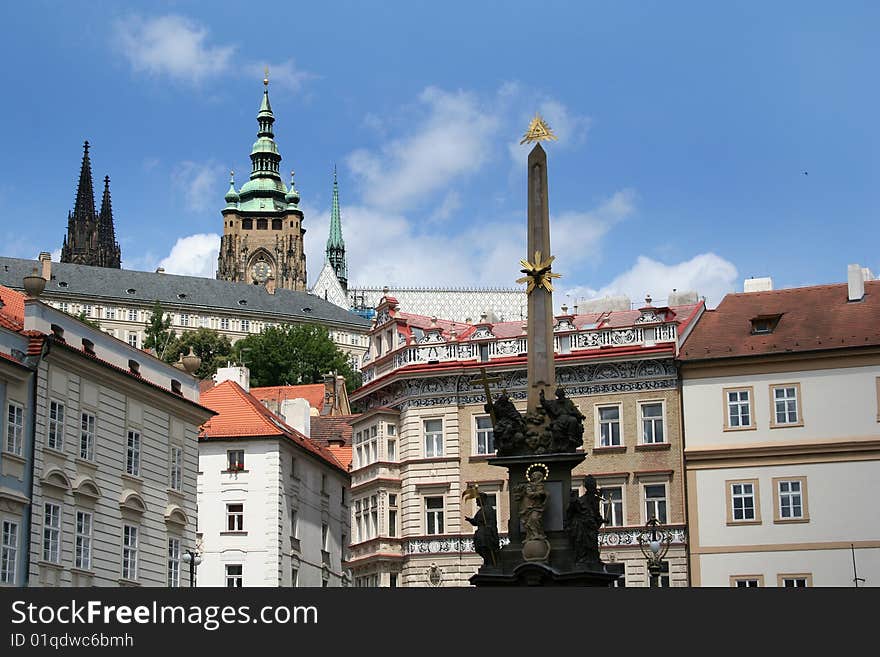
x: 311, y: 392
x: 11, y: 309
x: 334, y: 433
x: 241, y: 415
x: 811, y: 318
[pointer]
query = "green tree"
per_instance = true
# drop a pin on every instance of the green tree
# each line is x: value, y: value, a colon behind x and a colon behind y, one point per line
x: 85, y: 320
x: 214, y: 350
x: 158, y: 335
x: 287, y: 355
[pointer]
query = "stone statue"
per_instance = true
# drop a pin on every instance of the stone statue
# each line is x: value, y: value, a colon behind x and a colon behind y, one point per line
x: 532, y: 498
x: 509, y: 427
x: 566, y: 421
x: 582, y: 521
x: 486, y: 542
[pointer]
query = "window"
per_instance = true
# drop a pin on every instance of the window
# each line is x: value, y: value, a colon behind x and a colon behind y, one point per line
x: 133, y: 339
x: 132, y: 315
x: 392, y: 514
x: 367, y: 518
x: 234, y: 460
x: 790, y: 503
x: 485, y: 435
x: 133, y: 454
x: 612, y: 508
x: 391, y: 429
x: 652, y: 422
x: 14, y: 428
x: 294, y: 575
x: 8, y: 551
x: 433, y: 438
x: 235, y: 517
x: 175, y: 475
x: 663, y: 579
x: 262, y: 224
x: 433, y: 515
x: 82, y: 556
x: 184, y: 319
x: 224, y: 323
x: 325, y: 537
x: 324, y: 490
x: 173, y: 562
x: 129, y: 552
x: 742, y: 502
x: 392, y: 580
x: 110, y: 313
x: 609, y: 426
x: 799, y: 580
x: 293, y: 474
x: 52, y: 533
x: 294, y: 523
x: 87, y: 310
x: 785, y: 410
x: 391, y: 449
x: 247, y: 224
x: 746, y: 581
x: 366, y: 446
x: 655, y: 502
x: 87, y: 437
x: 234, y: 575
x: 245, y: 325
x: 55, y: 437
x: 738, y: 413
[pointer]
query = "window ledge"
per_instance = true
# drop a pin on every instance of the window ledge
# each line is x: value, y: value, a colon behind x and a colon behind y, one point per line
x: 652, y: 447
x: 735, y: 523
x: 50, y: 564
x: 132, y: 478
x: 54, y: 452
x: 751, y: 427
x: 82, y: 571
x: 15, y: 458
x: 610, y: 449
x: 127, y: 582
x: 234, y: 471
x: 79, y: 460
x: 173, y: 492
x: 790, y: 521
x: 234, y: 533
x: 787, y: 426
x: 482, y: 457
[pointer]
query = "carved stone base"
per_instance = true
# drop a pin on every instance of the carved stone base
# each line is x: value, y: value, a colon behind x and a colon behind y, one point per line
x: 536, y: 550
x: 532, y: 573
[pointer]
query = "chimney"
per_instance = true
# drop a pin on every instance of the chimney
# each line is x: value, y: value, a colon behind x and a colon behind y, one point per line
x: 297, y: 414
x: 329, y: 394
x: 758, y: 284
x: 160, y: 270
x: 239, y: 373
x: 46, y: 259
x: 855, y: 278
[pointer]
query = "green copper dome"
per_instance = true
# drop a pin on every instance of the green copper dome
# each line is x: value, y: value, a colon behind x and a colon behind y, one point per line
x: 231, y: 195
x: 292, y: 196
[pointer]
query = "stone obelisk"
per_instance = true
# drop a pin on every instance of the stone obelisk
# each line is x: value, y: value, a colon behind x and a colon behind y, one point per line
x: 541, y: 368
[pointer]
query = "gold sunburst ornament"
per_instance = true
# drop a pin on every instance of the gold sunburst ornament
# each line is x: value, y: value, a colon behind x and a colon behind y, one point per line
x: 538, y: 131
x: 537, y: 273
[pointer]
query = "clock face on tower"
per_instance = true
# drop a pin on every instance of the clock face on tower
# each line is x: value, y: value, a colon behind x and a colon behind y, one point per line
x: 261, y: 271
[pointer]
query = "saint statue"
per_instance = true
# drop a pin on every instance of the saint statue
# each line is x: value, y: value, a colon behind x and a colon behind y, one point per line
x: 532, y: 498
x: 582, y: 521
x: 566, y: 421
x: 509, y: 427
x: 486, y: 542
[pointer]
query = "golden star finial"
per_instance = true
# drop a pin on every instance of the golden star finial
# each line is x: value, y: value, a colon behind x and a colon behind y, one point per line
x: 537, y: 273
x: 538, y: 131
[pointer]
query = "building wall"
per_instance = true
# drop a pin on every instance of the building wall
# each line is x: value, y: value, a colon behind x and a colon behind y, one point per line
x: 834, y: 449
x: 118, y: 408
x: 269, y: 489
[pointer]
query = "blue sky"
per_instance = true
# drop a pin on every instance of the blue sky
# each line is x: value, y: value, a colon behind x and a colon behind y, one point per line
x: 685, y: 131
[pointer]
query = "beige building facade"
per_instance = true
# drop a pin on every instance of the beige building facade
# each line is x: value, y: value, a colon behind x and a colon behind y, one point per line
x: 425, y: 436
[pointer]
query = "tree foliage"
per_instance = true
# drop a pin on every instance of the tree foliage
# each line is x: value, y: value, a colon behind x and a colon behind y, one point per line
x: 214, y: 349
x: 292, y: 354
x: 85, y: 320
x: 158, y: 334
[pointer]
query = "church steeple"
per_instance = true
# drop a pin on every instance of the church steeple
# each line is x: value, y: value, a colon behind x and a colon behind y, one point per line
x: 335, y: 252
x: 108, y: 249
x: 265, y: 189
x: 84, y: 205
x: 91, y: 236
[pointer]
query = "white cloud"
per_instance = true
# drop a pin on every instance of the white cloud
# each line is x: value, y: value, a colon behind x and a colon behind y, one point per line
x: 56, y: 255
x: 171, y: 45
x: 450, y: 203
x: 451, y: 140
x: 202, y: 184
x: 707, y: 274
x: 194, y: 255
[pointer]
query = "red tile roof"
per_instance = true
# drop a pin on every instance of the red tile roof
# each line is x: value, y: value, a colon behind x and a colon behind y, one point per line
x: 11, y: 309
x: 812, y: 319
x: 311, y: 392
x: 329, y: 431
x: 241, y: 415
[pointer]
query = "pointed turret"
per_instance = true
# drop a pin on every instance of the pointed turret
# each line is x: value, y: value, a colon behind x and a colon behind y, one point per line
x: 84, y: 206
x: 265, y: 189
x: 82, y: 222
x: 231, y: 195
x: 335, y: 253
x: 108, y: 249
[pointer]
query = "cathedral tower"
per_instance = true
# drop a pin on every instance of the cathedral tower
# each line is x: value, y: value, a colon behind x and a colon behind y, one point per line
x: 91, y: 236
x: 262, y: 239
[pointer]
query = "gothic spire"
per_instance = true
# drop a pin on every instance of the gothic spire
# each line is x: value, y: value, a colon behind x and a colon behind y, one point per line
x: 84, y: 206
x: 108, y: 249
x: 335, y: 252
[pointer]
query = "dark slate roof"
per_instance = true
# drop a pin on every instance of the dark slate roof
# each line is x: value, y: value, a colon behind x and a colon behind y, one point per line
x: 112, y: 285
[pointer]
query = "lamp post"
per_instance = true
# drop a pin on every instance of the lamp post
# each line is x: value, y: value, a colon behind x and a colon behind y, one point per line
x: 193, y: 559
x: 654, y: 542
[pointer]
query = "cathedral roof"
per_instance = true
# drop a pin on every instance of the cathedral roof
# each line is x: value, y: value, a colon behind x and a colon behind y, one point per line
x: 126, y: 286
